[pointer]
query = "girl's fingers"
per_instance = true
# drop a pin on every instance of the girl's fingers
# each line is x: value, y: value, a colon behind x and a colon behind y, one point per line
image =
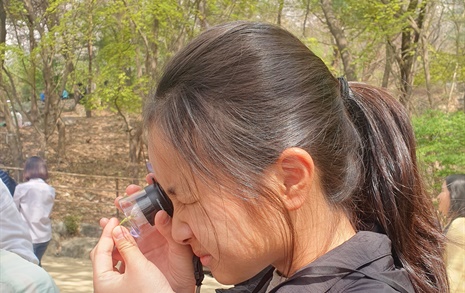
x: 150, y: 178
x: 102, y: 254
x: 132, y: 189
x: 127, y: 247
x: 103, y: 222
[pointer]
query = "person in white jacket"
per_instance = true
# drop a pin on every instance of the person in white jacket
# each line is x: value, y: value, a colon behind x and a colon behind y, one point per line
x: 34, y: 200
x: 14, y: 233
x: 18, y: 264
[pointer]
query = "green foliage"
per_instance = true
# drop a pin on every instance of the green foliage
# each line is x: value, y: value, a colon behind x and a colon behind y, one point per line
x: 440, y: 144
x: 72, y: 223
x: 381, y: 18
x: 131, y: 41
x: 443, y: 66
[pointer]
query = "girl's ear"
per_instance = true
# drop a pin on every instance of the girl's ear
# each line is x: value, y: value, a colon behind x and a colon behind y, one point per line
x: 295, y: 174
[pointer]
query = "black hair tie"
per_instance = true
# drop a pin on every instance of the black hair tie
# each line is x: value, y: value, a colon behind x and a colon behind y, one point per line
x: 346, y: 93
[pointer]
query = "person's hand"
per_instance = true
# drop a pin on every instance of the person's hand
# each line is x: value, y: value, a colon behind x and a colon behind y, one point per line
x: 136, y: 275
x: 158, y: 246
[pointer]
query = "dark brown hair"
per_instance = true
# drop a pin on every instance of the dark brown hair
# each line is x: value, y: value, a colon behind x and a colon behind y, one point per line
x: 34, y: 168
x: 456, y: 185
x: 241, y: 93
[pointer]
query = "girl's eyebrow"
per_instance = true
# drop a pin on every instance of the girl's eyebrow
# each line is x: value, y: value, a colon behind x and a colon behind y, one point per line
x: 170, y: 190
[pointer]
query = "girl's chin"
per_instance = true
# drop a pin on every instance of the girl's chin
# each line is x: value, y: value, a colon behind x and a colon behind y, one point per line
x: 228, y: 278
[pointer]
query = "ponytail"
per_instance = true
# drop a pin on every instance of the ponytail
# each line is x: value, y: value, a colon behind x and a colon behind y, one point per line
x: 391, y: 198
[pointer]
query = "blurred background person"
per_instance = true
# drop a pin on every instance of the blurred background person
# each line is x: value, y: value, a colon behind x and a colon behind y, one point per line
x: 34, y: 200
x: 452, y: 206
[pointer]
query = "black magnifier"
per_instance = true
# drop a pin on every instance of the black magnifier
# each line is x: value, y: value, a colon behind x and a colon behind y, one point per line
x: 140, y: 209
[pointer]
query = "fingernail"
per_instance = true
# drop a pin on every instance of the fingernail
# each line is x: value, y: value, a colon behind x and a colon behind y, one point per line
x: 118, y: 233
x: 165, y: 218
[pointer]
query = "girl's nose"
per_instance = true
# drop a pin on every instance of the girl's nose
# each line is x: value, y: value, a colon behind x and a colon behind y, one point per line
x: 181, y: 232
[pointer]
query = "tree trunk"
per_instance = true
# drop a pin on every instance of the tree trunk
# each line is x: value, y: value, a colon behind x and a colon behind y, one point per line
x: 280, y: 11
x: 61, y: 126
x: 152, y: 51
x: 202, y: 14
x: 307, y: 12
x: 49, y: 113
x: 89, y: 52
x: 452, y: 87
x: 463, y: 102
x: 135, y: 141
x: 387, y: 65
x: 427, y: 72
x: 47, y: 51
x: 409, y: 46
x: 34, y: 114
x: 341, y: 41
x: 13, y: 138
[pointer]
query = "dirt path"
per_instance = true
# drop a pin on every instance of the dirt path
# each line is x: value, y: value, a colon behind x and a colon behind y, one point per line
x: 75, y: 275
x: 70, y: 274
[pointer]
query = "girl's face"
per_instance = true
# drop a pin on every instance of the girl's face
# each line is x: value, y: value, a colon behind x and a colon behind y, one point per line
x: 234, y: 243
x: 444, y: 200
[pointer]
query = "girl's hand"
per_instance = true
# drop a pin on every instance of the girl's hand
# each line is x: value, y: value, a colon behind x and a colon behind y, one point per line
x: 136, y: 275
x: 174, y: 260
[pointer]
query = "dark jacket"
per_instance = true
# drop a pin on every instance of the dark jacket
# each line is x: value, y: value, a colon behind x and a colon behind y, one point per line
x: 364, y: 263
x: 9, y: 182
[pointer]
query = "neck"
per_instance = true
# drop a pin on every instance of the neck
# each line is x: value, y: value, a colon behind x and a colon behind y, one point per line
x: 329, y: 228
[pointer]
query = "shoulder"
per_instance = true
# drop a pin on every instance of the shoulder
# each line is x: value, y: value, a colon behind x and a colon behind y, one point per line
x: 384, y: 282
x: 22, y: 188
x: 20, y: 275
x: 368, y: 285
x: 362, y: 264
x: 34, y: 184
x: 24, y: 185
x: 458, y: 223
x: 456, y: 234
x: 33, y: 188
x: 457, y: 228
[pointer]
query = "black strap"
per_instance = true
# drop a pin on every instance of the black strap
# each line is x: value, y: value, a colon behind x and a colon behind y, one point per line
x: 320, y: 271
x: 390, y: 282
x: 198, y: 272
x: 264, y: 280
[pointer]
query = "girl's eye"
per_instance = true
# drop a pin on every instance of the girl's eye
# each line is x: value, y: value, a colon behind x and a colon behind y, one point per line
x: 185, y: 201
x: 188, y: 203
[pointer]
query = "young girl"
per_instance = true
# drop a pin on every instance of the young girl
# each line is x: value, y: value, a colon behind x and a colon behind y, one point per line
x: 271, y: 163
x: 34, y: 199
x: 452, y: 205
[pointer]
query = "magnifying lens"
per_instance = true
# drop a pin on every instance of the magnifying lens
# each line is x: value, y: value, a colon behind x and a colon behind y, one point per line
x: 140, y: 208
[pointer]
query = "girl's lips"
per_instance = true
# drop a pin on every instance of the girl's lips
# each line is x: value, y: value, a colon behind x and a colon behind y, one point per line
x: 205, y: 259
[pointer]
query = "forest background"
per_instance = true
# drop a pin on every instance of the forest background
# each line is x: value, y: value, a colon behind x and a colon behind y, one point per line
x: 108, y: 55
